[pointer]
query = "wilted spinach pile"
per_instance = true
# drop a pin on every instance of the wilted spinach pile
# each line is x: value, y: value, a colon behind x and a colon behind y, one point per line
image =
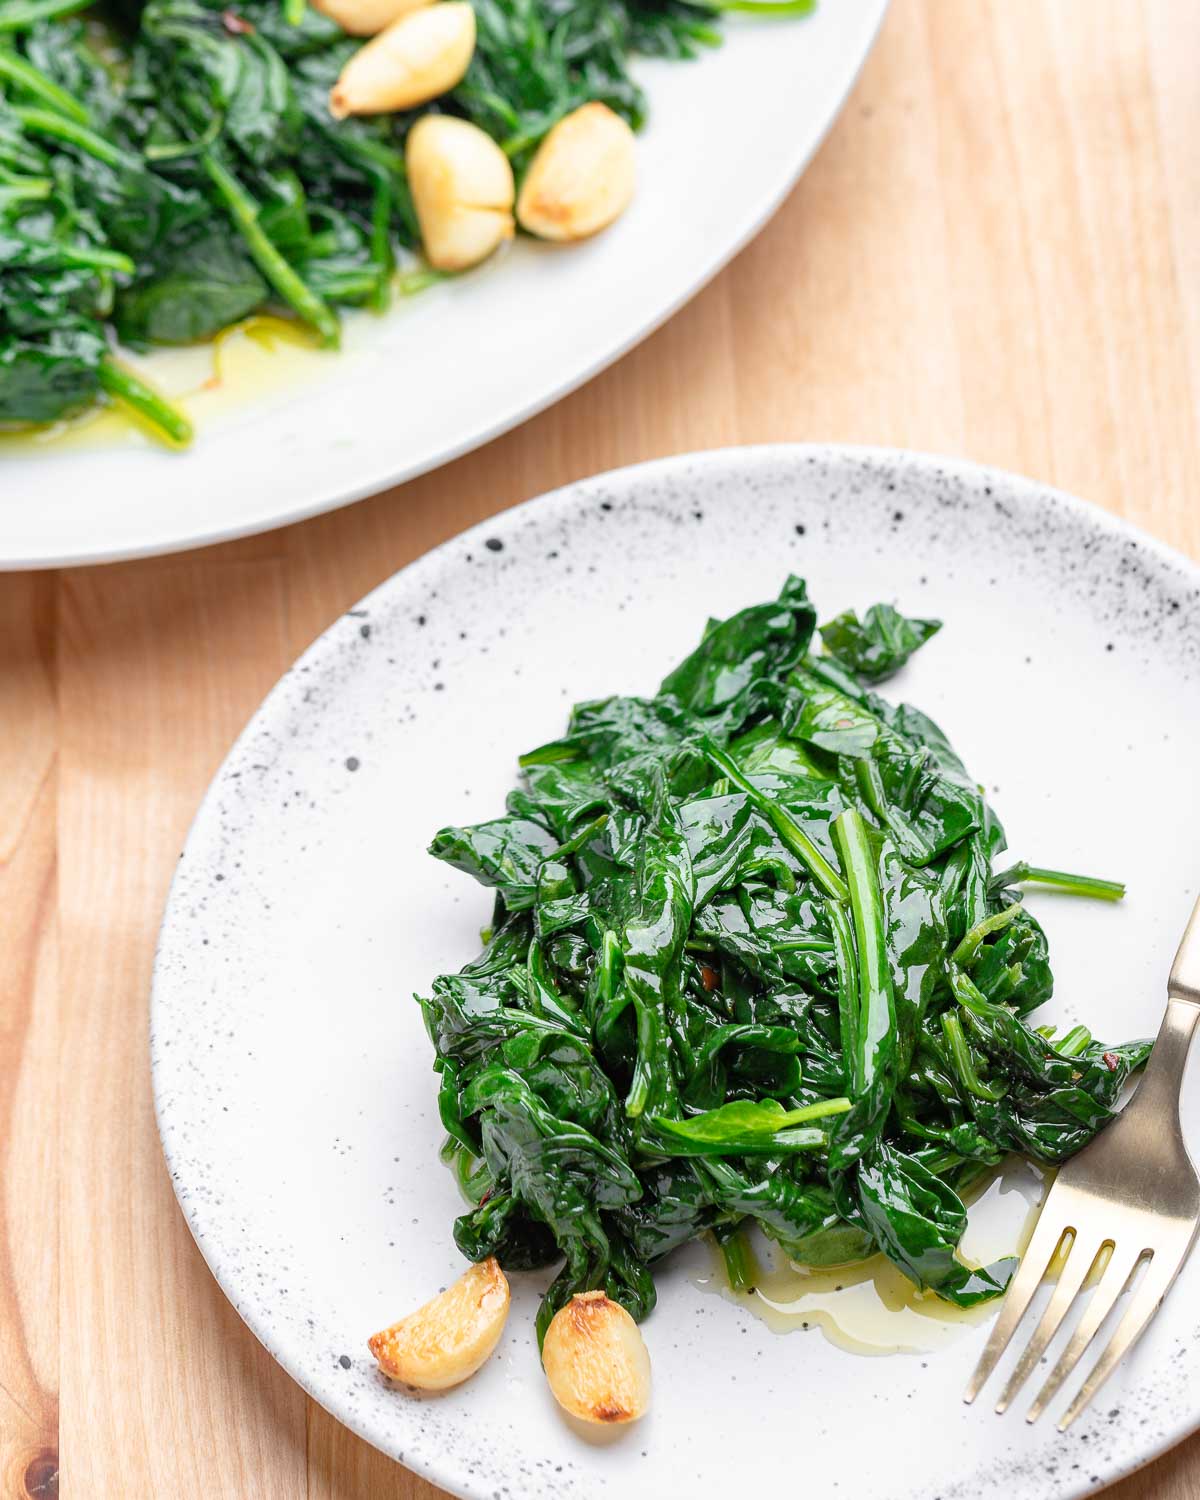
x: 169, y: 168
x: 751, y: 964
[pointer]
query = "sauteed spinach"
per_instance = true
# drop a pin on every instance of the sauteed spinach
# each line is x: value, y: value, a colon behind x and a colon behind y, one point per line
x: 751, y: 964
x: 168, y: 168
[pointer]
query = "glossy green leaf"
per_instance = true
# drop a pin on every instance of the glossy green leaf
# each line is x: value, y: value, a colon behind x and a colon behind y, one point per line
x: 745, y: 1126
x: 879, y: 644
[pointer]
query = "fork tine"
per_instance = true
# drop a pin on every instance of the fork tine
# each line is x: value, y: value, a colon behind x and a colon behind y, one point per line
x: 1080, y: 1259
x: 1142, y: 1306
x: 1113, y: 1282
x: 1034, y: 1264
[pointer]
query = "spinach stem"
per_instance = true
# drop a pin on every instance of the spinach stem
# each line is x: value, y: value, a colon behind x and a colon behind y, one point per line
x: 21, y: 16
x: 60, y: 127
x: 741, y: 1265
x: 1076, y: 1041
x: 20, y: 155
x: 847, y: 979
x: 875, y: 1018
x: 84, y: 258
x: 969, y: 948
x: 964, y: 1065
x: 408, y: 284
x: 608, y: 973
x: 968, y: 994
x: 279, y: 272
x: 580, y: 837
x: 16, y: 70
x: 1060, y: 880
x: 382, y: 252
x: 123, y: 385
x: 816, y: 1111
x: 15, y: 189
x: 913, y: 1126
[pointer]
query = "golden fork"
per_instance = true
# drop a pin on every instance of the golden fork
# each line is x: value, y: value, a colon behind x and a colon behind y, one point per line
x: 1132, y: 1196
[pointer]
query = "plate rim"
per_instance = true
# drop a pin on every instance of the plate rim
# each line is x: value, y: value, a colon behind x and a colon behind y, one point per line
x: 749, y: 227
x: 561, y: 500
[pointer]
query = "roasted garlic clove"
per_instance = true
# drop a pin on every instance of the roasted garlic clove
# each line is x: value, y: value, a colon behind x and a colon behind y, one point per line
x: 581, y: 177
x: 462, y: 189
x: 410, y: 62
x: 366, y: 17
x: 596, y: 1361
x: 447, y: 1340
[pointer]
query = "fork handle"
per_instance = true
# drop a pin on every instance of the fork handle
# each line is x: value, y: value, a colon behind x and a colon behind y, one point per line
x: 1157, y: 1096
x: 1184, y: 983
x: 1158, y: 1093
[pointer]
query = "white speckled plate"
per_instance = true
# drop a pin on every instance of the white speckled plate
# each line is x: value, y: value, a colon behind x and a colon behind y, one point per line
x: 464, y: 361
x: 291, y: 1070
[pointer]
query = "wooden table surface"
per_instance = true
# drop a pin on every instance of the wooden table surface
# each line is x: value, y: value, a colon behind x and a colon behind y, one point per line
x: 996, y: 254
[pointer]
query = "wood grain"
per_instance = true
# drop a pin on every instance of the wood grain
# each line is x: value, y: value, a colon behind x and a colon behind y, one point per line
x: 996, y: 254
x: 29, y: 1034
x: 154, y: 669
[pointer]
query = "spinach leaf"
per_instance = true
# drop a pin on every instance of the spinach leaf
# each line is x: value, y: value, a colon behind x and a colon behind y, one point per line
x: 763, y: 640
x: 198, y: 286
x: 742, y: 1127
x: 879, y: 644
x: 506, y: 853
x: 918, y: 1219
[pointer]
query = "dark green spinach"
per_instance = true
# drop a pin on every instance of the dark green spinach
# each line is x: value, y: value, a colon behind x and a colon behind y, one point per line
x: 750, y: 965
x: 170, y: 167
